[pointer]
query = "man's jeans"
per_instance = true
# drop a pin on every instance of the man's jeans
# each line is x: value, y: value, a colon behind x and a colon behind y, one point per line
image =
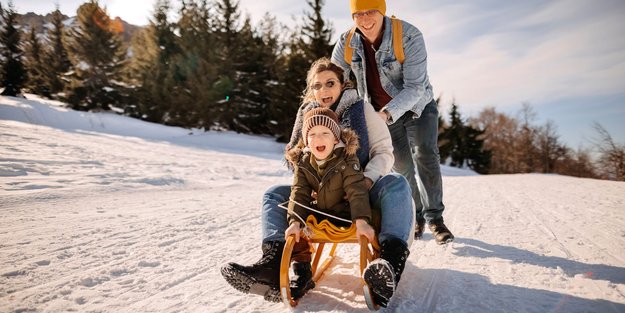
x: 390, y: 194
x: 415, y: 146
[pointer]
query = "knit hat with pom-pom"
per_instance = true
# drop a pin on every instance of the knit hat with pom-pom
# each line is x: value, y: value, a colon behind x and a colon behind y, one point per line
x: 321, y: 116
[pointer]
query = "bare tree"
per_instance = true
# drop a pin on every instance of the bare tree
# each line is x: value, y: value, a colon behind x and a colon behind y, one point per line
x: 549, y: 150
x: 500, y: 138
x: 527, y: 136
x: 611, y: 155
x: 576, y: 163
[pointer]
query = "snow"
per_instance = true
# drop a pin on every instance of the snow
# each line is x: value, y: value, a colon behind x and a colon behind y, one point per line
x: 104, y: 213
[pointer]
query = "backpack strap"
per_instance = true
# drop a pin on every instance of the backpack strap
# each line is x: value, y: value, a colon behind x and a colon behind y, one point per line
x: 398, y: 46
x: 348, y: 49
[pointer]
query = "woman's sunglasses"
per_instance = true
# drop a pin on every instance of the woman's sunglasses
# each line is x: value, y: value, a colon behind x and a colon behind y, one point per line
x: 329, y: 84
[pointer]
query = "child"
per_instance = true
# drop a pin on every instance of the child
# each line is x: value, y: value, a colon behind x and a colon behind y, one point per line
x: 326, y: 165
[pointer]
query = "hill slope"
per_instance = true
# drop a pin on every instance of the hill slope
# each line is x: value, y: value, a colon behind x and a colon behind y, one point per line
x: 42, y: 23
x: 104, y: 213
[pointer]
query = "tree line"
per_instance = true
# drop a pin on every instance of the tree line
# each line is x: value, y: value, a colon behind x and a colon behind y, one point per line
x: 498, y: 143
x: 211, y: 68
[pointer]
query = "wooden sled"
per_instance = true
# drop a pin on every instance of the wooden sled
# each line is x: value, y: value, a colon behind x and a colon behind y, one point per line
x: 322, y: 233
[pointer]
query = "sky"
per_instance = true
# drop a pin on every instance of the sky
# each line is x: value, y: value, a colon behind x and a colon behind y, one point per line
x: 566, y: 58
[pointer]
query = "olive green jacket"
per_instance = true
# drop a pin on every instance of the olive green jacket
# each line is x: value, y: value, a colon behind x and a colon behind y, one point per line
x: 341, y: 190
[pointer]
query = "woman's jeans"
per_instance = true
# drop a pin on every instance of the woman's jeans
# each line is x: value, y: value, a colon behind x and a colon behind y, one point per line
x: 415, y: 147
x: 390, y: 195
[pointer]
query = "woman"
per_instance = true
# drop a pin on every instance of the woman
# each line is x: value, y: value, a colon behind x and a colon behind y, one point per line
x: 389, y: 194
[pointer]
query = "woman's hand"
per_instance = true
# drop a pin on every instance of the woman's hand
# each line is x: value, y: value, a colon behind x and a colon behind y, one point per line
x: 364, y: 229
x: 292, y: 230
x: 383, y: 115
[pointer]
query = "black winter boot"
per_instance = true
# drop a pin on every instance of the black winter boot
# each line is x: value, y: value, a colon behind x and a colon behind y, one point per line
x: 302, y: 280
x: 261, y: 278
x: 383, y: 274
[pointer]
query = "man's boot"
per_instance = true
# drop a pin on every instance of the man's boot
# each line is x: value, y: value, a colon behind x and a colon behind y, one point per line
x: 419, y: 227
x: 382, y: 275
x: 261, y: 278
x: 440, y: 232
x: 302, y: 280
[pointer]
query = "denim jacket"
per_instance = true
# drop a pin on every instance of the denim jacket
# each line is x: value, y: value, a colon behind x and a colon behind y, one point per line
x: 406, y: 83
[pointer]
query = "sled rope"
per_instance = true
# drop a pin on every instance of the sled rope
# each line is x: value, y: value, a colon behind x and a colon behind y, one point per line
x: 311, y: 209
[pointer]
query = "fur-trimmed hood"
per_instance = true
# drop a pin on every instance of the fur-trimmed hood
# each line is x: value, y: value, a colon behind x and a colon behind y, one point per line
x: 349, y: 141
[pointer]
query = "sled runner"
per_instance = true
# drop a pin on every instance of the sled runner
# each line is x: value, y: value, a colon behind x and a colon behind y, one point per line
x: 322, y: 233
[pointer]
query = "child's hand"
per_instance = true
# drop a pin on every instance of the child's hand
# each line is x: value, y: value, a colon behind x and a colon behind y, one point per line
x: 313, y: 194
x: 364, y: 229
x: 292, y: 230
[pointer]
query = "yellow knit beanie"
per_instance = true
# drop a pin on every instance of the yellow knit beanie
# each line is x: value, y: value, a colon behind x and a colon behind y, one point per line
x: 366, y: 5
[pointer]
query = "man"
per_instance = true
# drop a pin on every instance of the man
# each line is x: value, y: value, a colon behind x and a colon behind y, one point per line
x: 401, y: 93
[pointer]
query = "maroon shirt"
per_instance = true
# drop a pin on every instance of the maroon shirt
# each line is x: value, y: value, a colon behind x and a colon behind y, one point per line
x: 379, y: 97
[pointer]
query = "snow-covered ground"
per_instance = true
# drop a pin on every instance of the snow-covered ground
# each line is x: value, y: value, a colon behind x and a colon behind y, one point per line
x: 102, y: 213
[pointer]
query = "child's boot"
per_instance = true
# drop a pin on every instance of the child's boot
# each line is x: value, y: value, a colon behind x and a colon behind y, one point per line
x: 302, y: 280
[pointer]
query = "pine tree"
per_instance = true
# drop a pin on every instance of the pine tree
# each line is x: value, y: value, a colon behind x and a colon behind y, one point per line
x: 286, y: 81
x: 270, y: 49
x: 307, y: 43
x: 97, y: 55
x: 13, y: 71
x: 452, y: 137
x: 227, y: 33
x: 33, y: 60
x: 153, y: 51
x: 194, y: 69
x: 316, y: 39
x: 56, y: 62
x: 464, y: 144
x: 478, y: 158
x: 227, y: 26
x: 254, y: 70
x: 291, y: 83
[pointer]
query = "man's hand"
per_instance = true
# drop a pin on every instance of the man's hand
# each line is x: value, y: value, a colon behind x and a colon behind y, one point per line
x: 294, y: 229
x: 364, y: 229
x: 368, y: 183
